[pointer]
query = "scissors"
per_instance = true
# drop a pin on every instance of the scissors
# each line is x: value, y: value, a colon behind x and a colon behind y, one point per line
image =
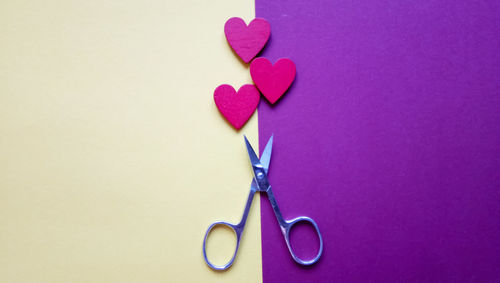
x: 260, y: 183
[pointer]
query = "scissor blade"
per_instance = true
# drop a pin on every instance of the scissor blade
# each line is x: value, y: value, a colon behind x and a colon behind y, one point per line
x: 265, y: 158
x: 251, y: 154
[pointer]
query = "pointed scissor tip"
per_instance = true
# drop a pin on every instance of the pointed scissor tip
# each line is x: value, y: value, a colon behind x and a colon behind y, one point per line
x: 246, y: 141
x: 265, y: 158
x: 254, y: 159
x: 269, y: 143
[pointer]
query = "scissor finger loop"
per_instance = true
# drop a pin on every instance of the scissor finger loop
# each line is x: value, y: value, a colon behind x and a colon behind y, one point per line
x: 288, y: 228
x: 237, y: 231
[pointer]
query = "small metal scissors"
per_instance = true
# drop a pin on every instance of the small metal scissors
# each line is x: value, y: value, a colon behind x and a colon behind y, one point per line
x: 261, y: 184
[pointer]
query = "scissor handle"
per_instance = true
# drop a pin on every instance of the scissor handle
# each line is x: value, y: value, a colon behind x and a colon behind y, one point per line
x: 288, y: 228
x: 237, y: 230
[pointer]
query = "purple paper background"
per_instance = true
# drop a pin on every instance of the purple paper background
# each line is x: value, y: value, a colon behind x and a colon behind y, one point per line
x: 389, y: 138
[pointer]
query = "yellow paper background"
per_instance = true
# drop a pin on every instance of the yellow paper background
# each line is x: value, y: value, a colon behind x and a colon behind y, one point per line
x: 113, y: 157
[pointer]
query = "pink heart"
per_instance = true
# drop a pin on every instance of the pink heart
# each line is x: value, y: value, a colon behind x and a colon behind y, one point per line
x: 237, y: 108
x: 247, y: 41
x: 272, y: 80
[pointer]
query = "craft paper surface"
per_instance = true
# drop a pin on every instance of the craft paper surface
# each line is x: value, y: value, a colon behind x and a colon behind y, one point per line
x: 113, y: 156
x: 389, y: 138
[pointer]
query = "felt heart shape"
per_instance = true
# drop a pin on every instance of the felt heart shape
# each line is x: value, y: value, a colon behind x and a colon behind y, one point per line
x: 237, y: 108
x: 272, y: 80
x: 245, y: 40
